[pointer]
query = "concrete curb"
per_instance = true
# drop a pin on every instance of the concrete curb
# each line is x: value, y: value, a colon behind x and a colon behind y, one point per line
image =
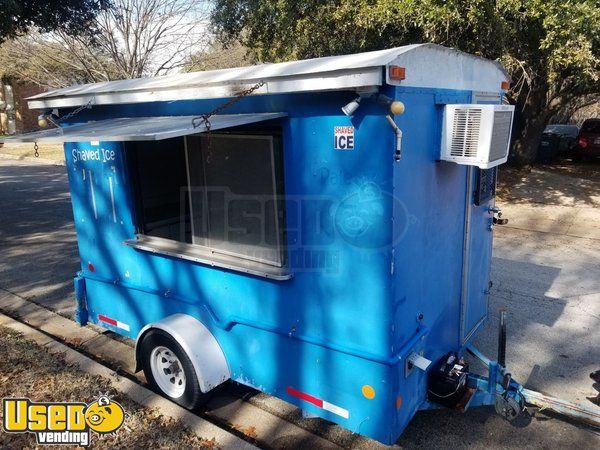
x: 134, y: 391
x: 241, y: 415
x: 48, y: 162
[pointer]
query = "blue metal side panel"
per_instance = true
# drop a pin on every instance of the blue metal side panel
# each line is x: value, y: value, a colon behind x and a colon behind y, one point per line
x: 342, y: 282
x: 428, y: 239
x: 372, y: 245
x: 318, y: 180
x: 270, y: 362
x: 101, y: 208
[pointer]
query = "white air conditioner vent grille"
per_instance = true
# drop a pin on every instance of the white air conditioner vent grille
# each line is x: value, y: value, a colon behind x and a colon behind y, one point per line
x: 500, y: 134
x: 476, y: 134
x: 465, y: 132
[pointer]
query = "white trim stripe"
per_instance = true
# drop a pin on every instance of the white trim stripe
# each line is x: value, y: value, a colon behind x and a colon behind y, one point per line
x: 123, y: 326
x: 336, y: 409
x: 110, y: 321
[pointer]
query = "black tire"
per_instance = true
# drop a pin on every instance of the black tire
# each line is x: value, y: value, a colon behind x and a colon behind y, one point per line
x: 192, y: 397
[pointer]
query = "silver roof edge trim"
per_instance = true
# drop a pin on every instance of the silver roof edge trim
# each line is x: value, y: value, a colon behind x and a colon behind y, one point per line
x: 341, y: 80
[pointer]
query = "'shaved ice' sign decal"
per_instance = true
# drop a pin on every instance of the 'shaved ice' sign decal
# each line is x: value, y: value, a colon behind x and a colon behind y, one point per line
x: 343, y: 138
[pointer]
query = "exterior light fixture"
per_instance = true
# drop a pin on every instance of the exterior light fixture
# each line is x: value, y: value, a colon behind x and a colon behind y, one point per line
x: 351, y: 107
x: 45, y: 118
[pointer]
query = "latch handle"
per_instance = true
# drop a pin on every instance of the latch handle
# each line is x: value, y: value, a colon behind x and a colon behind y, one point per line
x: 497, y: 220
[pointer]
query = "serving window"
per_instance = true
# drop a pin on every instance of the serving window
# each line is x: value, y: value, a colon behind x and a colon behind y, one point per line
x: 215, y: 198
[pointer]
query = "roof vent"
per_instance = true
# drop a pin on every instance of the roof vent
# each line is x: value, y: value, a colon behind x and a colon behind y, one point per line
x: 476, y: 135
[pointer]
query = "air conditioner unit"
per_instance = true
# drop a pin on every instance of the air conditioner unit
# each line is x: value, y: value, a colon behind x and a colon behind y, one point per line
x: 477, y: 135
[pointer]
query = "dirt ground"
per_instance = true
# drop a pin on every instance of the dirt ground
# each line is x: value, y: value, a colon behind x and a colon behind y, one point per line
x: 26, y: 370
x: 46, y: 151
x: 563, y: 183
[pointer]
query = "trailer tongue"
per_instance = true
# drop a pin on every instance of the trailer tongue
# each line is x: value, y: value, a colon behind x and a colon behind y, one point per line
x: 498, y: 388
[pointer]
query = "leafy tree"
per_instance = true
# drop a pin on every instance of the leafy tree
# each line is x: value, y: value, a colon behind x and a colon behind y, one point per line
x: 131, y: 39
x: 18, y: 16
x: 218, y: 57
x: 550, y: 47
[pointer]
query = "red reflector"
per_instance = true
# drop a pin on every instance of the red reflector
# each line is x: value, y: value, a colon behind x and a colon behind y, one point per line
x: 303, y: 396
x: 108, y: 320
x: 505, y: 85
x: 583, y: 143
x: 91, y: 267
x: 397, y: 73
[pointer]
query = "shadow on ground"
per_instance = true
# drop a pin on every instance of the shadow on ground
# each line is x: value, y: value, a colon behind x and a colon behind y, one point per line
x: 562, y: 183
x: 38, y: 247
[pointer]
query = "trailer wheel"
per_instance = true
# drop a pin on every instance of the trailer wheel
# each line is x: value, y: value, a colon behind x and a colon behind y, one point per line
x: 169, y: 370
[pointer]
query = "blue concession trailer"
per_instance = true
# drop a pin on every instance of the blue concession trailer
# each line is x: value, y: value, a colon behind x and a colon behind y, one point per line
x: 320, y: 230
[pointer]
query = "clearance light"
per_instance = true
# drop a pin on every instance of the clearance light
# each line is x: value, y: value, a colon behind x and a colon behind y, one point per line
x: 505, y: 85
x: 368, y: 392
x: 398, y: 402
x: 397, y: 73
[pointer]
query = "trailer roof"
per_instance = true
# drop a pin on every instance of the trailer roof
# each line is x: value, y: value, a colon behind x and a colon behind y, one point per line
x: 427, y: 65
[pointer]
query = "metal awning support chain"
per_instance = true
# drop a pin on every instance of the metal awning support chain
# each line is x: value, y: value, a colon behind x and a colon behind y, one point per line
x: 57, y: 122
x: 205, y: 118
x: 76, y: 111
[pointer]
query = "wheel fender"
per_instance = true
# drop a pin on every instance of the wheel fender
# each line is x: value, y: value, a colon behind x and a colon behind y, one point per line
x: 199, y: 344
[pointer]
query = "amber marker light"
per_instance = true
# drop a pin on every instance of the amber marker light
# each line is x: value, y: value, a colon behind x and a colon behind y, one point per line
x: 397, y: 73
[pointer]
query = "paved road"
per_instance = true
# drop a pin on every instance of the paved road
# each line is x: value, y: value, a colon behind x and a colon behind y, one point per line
x: 548, y: 279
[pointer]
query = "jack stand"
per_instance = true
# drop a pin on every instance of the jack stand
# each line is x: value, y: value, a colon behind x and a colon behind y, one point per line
x: 509, y: 397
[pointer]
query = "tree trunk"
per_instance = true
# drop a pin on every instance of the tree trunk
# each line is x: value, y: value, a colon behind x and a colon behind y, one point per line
x: 531, y: 116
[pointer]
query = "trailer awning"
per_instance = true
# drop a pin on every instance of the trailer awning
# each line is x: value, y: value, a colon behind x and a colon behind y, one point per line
x: 140, y: 128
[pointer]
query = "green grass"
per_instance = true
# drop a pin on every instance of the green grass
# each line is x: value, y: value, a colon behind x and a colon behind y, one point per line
x: 47, y: 151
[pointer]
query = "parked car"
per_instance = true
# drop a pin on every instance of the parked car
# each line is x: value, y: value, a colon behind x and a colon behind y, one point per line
x: 588, y: 140
x: 556, y: 140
